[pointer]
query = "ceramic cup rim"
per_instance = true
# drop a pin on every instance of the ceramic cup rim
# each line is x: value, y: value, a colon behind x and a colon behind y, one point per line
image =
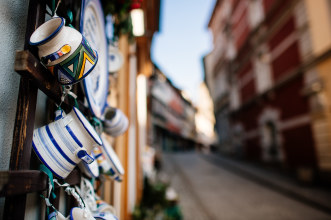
x: 88, y: 127
x: 112, y: 157
x: 34, y: 42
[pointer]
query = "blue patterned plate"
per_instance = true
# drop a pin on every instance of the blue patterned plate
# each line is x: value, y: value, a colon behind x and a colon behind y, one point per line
x: 92, y: 27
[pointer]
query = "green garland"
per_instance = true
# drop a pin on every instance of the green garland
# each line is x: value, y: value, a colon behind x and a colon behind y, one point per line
x: 120, y: 10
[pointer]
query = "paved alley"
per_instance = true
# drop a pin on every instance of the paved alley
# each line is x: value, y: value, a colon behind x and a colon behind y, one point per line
x: 210, y: 191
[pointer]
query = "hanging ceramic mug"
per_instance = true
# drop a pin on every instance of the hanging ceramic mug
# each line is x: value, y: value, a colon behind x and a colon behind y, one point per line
x: 116, y: 171
x: 62, y: 144
x: 64, y: 51
x: 115, y: 122
x: 103, y: 206
x: 76, y: 213
x: 104, y: 216
x: 56, y: 215
x: 104, y: 165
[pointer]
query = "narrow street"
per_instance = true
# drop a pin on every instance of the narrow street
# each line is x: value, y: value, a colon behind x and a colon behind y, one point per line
x: 208, y: 190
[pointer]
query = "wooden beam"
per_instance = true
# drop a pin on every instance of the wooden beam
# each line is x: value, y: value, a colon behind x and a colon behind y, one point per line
x: 20, y: 182
x: 27, y: 65
x: 25, y: 114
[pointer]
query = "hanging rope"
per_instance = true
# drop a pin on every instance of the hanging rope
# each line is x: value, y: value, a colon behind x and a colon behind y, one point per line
x: 50, y: 191
x: 97, y: 124
x: 65, y: 92
x: 73, y: 96
x: 54, y: 9
x: 71, y: 191
x: 69, y: 13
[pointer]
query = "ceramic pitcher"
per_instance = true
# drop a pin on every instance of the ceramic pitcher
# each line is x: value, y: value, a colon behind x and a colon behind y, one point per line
x: 64, y: 51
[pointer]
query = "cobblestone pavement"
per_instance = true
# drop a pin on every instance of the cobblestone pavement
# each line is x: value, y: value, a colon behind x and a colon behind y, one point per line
x: 210, y: 192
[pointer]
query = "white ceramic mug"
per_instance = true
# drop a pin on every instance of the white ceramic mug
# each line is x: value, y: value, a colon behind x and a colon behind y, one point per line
x: 104, y: 165
x: 62, y: 144
x: 103, y: 206
x: 77, y: 213
x: 64, y: 51
x: 115, y: 122
x: 105, y: 216
x: 56, y: 215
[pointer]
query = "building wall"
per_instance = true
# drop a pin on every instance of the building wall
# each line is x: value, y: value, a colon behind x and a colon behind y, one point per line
x: 12, y: 13
x: 318, y: 77
x: 269, y: 101
x: 319, y: 17
x: 12, y: 29
x: 172, y: 116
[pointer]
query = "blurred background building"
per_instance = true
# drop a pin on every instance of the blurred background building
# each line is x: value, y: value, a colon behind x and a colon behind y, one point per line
x: 268, y: 78
x: 205, y: 119
x: 171, y: 114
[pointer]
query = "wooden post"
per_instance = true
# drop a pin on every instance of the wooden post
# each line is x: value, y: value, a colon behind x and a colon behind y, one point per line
x: 122, y: 141
x: 25, y: 114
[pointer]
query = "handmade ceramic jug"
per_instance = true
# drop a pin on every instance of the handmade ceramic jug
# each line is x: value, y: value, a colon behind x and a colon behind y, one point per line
x: 62, y: 144
x: 64, y: 51
x: 115, y: 122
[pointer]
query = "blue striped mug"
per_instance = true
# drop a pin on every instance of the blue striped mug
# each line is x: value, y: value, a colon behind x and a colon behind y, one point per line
x: 115, y: 122
x: 76, y: 213
x: 62, y: 144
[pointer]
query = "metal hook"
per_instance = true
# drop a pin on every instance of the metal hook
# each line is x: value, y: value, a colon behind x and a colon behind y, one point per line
x: 65, y: 92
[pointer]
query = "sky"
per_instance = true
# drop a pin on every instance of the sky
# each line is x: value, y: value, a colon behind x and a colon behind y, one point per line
x: 183, y: 40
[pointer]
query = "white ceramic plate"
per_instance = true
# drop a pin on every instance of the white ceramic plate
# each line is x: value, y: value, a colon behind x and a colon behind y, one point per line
x: 115, y: 59
x: 111, y: 156
x: 92, y: 26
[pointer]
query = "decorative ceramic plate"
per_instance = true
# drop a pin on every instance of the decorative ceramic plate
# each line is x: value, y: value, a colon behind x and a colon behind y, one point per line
x: 92, y: 26
x: 111, y: 156
x: 115, y: 59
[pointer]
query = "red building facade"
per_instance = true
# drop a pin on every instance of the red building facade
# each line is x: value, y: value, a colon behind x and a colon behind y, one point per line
x: 263, y: 113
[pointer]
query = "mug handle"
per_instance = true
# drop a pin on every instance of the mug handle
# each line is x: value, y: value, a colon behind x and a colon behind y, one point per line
x: 56, y: 215
x: 59, y: 114
x: 84, y: 156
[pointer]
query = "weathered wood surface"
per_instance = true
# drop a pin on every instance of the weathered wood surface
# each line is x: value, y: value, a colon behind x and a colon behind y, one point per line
x: 27, y: 65
x: 19, y: 182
